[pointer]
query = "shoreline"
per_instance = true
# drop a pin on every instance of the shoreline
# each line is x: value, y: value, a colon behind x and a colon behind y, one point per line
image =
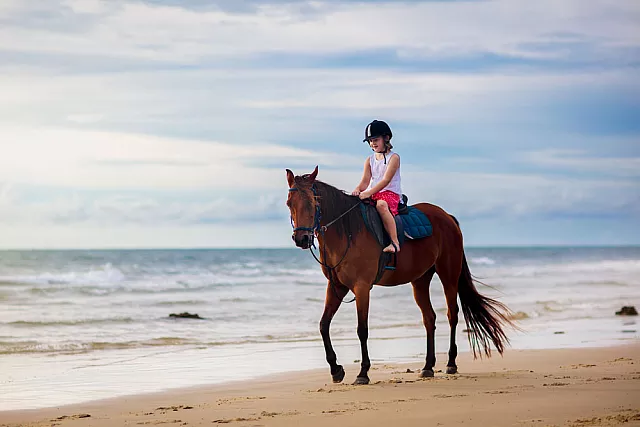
x: 554, y: 386
x: 80, y: 379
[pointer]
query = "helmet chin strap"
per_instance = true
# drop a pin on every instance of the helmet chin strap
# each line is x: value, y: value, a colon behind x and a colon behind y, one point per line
x: 384, y: 153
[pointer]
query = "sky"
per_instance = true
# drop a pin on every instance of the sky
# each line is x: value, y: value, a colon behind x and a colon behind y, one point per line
x: 169, y: 123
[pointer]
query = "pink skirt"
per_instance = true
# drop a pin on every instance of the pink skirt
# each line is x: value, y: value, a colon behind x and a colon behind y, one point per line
x: 390, y: 197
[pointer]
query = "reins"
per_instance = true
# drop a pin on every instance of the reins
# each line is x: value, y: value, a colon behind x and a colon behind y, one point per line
x: 318, y: 229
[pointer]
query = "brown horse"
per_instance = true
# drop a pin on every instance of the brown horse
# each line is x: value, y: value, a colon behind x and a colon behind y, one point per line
x: 349, y: 257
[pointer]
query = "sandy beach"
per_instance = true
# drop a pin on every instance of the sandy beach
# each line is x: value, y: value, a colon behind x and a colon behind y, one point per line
x: 559, y: 387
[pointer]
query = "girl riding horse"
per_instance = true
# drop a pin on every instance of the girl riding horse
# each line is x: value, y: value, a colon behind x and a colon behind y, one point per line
x: 348, y: 257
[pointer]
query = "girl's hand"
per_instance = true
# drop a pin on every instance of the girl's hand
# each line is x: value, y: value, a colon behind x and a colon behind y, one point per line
x: 355, y: 192
x: 365, y: 195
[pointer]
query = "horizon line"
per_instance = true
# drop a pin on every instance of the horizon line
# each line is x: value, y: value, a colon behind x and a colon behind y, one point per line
x: 231, y: 248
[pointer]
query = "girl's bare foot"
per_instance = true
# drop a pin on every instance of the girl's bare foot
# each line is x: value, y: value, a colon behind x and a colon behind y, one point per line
x: 392, y: 248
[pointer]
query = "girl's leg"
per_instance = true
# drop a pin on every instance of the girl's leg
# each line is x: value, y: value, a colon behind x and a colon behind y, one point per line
x: 389, y: 225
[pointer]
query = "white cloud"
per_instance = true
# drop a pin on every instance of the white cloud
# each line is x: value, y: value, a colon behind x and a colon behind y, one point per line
x: 524, y: 195
x: 121, y: 219
x: 510, y: 195
x: 580, y: 161
x: 144, y: 211
x: 87, y: 6
x: 263, y: 234
x: 8, y: 211
x: 506, y: 27
x: 466, y: 195
x: 90, y: 159
x: 239, y: 102
x: 248, y: 104
x: 85, y: 118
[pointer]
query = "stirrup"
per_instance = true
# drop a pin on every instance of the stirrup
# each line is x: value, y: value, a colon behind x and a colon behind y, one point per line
x: 395, y: 257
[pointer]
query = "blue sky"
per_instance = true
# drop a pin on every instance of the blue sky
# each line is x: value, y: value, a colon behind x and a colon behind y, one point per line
x: 169, y: 123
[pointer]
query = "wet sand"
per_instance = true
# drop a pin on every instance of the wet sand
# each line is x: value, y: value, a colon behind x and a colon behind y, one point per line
x: 566, y: 387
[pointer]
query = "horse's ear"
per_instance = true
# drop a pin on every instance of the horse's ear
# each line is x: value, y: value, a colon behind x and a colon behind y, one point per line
x: 313, y: 175
x: 290, y: 178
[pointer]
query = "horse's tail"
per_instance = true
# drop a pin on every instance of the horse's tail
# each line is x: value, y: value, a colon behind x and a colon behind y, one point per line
x: 484, y: 316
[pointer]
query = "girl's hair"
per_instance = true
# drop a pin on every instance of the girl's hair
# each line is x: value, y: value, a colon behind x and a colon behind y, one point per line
x: 387, y: 142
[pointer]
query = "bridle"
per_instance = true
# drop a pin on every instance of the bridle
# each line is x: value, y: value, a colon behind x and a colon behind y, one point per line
x: 317, y: 229
x: 316, y: 217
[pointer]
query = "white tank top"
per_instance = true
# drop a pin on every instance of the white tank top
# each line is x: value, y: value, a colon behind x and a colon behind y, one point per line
x: 378, y: 169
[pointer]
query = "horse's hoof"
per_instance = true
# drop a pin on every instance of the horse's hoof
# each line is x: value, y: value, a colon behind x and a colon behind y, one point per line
x: 361, y: 381
x: 426, y: 373
x: 338, y: 376
x: 452, y: 369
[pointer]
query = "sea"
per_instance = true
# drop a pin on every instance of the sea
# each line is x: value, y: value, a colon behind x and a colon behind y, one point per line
x: 80, y: 325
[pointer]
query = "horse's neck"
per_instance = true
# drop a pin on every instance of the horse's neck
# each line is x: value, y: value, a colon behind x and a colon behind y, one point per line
x: 330, y: 241
x: 324, y: 219
x: 332, y: 246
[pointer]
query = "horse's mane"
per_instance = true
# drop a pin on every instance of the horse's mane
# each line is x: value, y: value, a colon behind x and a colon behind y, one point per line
x: 335, y: 202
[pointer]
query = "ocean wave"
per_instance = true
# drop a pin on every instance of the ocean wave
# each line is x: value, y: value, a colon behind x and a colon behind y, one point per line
x: 38, y: 323
x: 130, y: 288
x: 416, y: 324
x: 603, y: 267
x: 70, y: 348
x: 186, y: 302
x: 481, y: 261
x: 104, y: 274
x: 7, y: 282
x: 310, y: 282
x: 107, y: 279
x: 160, y: 286
x: 296, y: 272
x: 520, y: 315
x: 32, y: 346
x: 234, y: 299
x: 602, y: 282
x: 27, y: 347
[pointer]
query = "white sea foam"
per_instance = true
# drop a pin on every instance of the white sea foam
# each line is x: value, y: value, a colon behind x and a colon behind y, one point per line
x: 483, y: 260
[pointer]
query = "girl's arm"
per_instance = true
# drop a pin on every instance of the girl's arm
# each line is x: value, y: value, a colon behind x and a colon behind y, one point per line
x: 366, y: 178
x: 392, y: 167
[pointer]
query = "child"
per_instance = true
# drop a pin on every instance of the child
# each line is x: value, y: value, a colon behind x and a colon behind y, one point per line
x: 381, y: 178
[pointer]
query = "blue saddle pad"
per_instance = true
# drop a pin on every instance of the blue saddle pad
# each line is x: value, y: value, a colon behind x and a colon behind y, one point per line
x: 416, y: 224
x: 412, y: 225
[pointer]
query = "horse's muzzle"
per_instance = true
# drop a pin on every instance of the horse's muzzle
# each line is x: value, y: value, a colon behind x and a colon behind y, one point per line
x: 302, y: 240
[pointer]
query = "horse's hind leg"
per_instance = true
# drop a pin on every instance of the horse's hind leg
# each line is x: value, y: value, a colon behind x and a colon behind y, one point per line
x: 449, y: 273
x: 333, y: 299
x: 421, y: 295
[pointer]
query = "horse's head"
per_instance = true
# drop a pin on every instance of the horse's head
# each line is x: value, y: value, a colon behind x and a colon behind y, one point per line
x: 304, y: 208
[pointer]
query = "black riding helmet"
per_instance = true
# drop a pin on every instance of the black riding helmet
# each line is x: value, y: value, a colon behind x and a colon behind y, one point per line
x: 376, y: 128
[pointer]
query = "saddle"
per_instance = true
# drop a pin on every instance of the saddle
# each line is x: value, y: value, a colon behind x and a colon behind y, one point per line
x: 411, y: 223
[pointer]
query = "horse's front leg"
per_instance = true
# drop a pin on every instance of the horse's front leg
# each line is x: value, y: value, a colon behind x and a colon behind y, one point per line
x: 362, y: 292
x: 333, y: 299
